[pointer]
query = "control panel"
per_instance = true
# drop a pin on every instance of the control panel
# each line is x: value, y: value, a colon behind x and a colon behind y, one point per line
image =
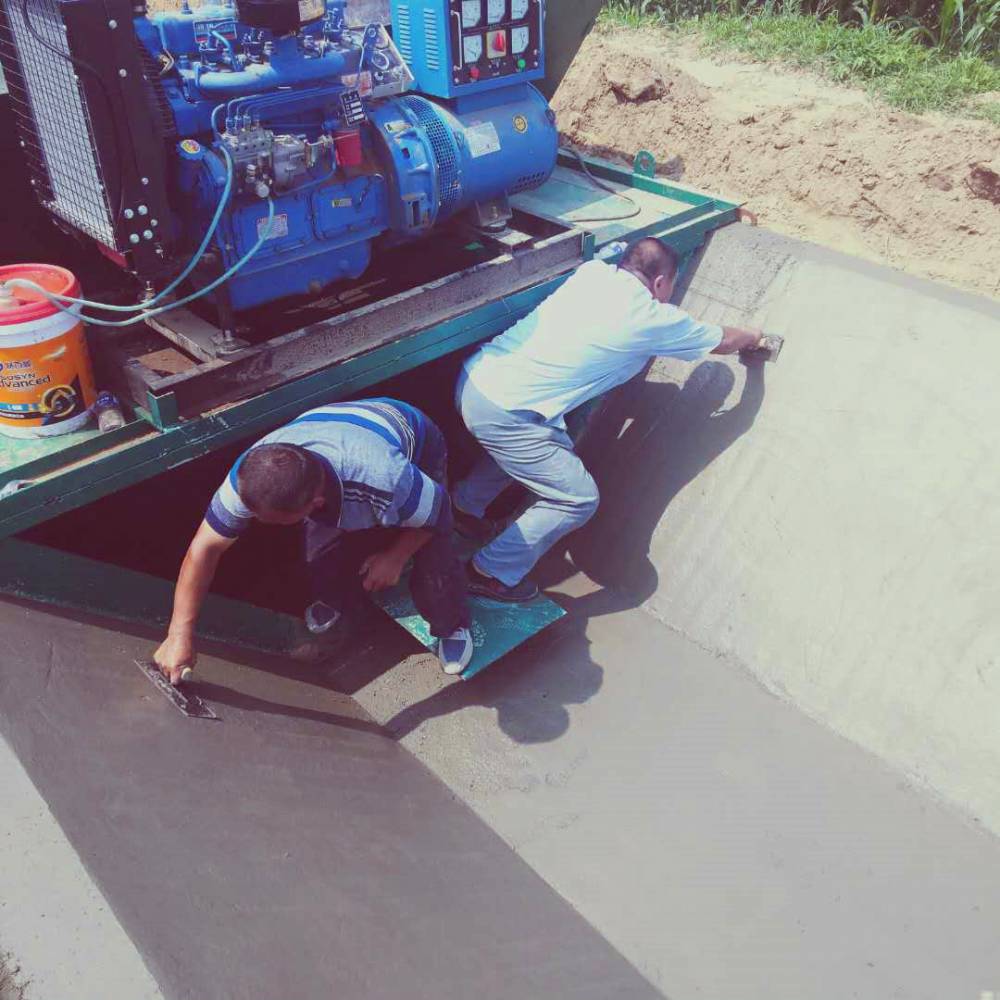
x: 492, y: 39
x: 458, y: 47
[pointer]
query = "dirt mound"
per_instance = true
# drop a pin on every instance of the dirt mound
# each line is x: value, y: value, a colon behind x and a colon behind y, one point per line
x: 812, y: 159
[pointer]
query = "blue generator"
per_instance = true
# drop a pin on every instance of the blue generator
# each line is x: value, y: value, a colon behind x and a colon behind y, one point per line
x: 261, y: 149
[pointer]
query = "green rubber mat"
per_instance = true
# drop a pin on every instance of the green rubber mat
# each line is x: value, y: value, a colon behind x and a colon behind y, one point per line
x: 497, y: 628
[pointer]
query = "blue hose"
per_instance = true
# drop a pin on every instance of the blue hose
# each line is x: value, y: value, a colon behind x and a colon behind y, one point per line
x: 225, y: 41
x: 191, y: 265
x: 149, y: 313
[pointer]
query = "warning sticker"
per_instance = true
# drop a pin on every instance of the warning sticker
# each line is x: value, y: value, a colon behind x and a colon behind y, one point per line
x: 483, y: 139
x: 279, y: 229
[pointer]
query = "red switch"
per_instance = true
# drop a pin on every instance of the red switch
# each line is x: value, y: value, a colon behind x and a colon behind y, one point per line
x: 500, y: 43
x: 474, y: 72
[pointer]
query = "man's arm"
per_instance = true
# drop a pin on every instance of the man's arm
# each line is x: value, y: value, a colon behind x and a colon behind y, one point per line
x: 421, y: 511
x: 383, y: 569
x: 736, y: 339
x: 197, y: 572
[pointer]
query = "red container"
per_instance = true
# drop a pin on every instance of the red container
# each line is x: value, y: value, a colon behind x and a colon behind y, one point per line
x: 347, y: 142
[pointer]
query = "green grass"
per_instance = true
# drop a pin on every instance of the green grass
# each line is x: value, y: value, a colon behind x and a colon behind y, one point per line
x: 880, y: 57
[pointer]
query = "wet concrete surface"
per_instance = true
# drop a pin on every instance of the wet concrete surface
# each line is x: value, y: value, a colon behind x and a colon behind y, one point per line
x: 291, y: 849
x: 771, y: 710
x: 820, y: 530
x: 46, y: 896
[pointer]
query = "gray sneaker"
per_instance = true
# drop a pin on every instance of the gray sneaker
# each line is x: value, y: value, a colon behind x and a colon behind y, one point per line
x: 320, y: 618
x: 455, y: 652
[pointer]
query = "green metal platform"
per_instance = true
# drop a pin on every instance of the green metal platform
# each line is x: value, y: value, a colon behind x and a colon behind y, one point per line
x: 71, y: 471
x: 180, y: 422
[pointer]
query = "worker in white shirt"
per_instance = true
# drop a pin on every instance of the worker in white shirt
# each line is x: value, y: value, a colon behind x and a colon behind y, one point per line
x: 597, y: 331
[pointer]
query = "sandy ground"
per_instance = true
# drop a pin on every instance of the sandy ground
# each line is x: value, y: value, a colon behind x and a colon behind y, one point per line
x: 813, y: 160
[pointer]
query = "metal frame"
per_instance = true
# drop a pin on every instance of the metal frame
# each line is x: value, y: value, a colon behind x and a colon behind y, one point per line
x: 227, y: 379
x: 162, y: 440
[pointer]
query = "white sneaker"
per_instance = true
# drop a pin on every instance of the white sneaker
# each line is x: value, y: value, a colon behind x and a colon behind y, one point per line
x: 455, y: 652
x: 320, y: 618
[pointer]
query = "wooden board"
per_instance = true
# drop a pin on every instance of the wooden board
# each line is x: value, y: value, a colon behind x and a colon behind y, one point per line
x: 497, y: 628
x: 390, y: 322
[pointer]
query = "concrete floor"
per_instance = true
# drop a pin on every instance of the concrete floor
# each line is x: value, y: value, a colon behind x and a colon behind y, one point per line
x: 53, y: 918
x: 764, y: 756
x: 758, y: 758
x: 722, y: 840
x: 292, y: 849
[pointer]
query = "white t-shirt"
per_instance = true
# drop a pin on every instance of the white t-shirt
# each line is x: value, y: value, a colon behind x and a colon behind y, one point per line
x: 597, y: 331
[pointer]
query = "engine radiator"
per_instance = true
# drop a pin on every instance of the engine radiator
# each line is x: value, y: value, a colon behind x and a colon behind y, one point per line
x: 79, y: 88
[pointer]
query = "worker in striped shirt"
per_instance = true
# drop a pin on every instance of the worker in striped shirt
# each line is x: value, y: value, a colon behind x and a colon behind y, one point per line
x: 376, y: 467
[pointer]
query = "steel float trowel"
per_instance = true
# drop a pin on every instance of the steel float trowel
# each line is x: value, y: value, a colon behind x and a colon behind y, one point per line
x: 186, y: 702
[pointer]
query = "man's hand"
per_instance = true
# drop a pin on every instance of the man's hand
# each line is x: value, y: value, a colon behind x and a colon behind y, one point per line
x: 735, y: 340
x: 175, y: 655
x: 382, y: 571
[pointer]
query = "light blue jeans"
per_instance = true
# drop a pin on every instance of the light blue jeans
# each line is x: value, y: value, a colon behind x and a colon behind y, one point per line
x: 521, y: 446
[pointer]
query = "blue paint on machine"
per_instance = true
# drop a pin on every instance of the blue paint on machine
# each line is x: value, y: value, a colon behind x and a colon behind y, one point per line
x: 359, y: 139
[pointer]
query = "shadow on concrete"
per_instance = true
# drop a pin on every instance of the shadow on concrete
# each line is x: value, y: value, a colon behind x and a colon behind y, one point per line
x: 654, y: 441
x: 220, y: 695
x: 530, y: 690
x: 651, y: 441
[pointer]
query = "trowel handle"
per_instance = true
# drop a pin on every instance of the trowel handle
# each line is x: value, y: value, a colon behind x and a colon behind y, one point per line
x: 186, y: 674
x: 768, y: 350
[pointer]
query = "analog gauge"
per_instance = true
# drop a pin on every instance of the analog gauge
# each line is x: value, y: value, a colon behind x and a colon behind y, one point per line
x: 473, y: 48
x: 472, y: 13
x: 496, y: 11
x: 520, y: 39
x: 519, y: 9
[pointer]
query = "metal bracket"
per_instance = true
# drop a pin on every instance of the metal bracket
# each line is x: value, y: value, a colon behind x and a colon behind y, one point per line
x: 644, y: 164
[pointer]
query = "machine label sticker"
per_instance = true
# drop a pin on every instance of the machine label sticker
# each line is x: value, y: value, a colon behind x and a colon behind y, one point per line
x: 279, y: 229
x: 483, y: 139
x: 311, y: 9
x: 342, y: 202
x: 520, y: 123
x: 394, y: 128
x: 203, y: 30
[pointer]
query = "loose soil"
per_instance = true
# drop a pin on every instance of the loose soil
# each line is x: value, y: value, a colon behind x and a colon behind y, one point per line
x: 825, y: 163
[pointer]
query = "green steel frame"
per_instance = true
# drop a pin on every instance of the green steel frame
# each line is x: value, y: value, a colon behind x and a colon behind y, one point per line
x: 97, y: 466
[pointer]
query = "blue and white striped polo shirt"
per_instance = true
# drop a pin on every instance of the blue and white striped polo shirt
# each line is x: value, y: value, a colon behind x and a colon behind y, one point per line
x: 370, y: 450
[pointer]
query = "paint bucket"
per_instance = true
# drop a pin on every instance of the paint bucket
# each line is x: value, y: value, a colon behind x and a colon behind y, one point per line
x: 46, y: 380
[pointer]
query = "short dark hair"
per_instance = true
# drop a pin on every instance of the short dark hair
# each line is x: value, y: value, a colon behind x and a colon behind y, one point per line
x: 650, y: 258
x: 282, y: 478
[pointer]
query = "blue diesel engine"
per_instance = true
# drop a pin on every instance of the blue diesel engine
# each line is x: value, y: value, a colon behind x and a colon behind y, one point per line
x: 291, y: 141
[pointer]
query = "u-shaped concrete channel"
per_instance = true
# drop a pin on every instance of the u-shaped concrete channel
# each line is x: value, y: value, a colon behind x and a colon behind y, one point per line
x: 758, y: 758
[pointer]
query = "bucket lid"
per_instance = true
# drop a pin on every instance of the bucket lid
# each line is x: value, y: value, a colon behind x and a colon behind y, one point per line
x: 30, y: 305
